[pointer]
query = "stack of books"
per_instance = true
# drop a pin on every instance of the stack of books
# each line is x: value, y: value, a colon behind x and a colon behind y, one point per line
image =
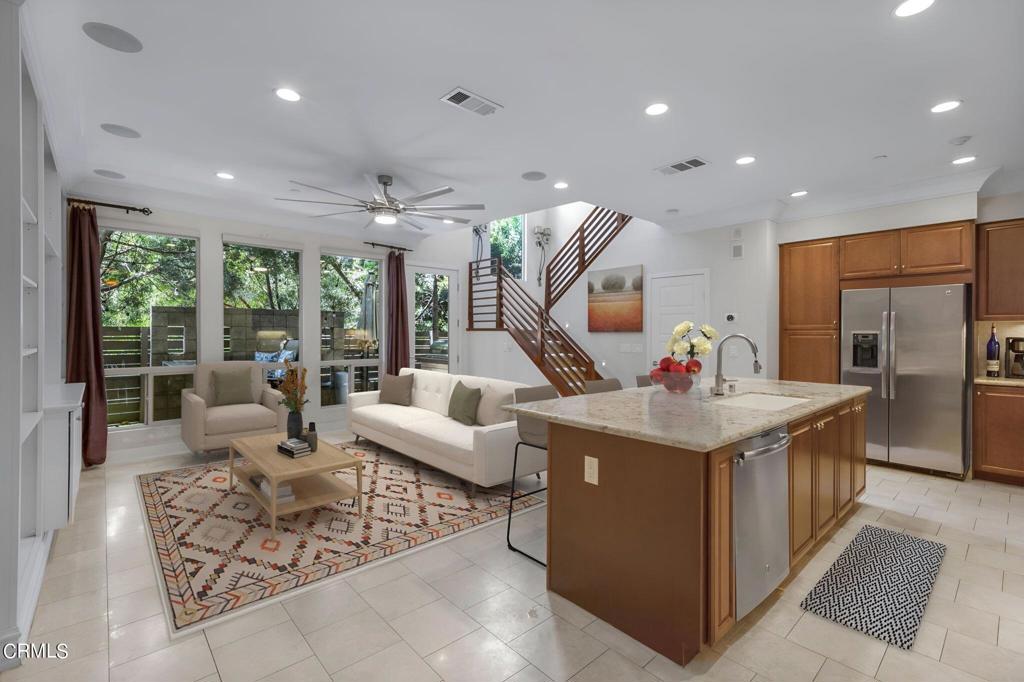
x: 284, y: 491
x: 294, y: 447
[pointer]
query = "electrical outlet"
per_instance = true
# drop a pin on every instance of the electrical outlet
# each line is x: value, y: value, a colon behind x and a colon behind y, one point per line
x: 590, y: 469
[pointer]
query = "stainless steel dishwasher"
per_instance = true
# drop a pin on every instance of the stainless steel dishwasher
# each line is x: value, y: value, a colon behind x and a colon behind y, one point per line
x: 760, y: 506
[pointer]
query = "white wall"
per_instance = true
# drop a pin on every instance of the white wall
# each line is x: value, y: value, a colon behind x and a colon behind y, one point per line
x: 1001, y: 207
x: 736, y: 286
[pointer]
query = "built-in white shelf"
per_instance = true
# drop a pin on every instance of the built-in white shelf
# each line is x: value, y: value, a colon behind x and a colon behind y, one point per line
x: 29, y: 350
x: 29, y: 422
x: 27, y: 215
x: 29, y: 282
x: 51, y: 249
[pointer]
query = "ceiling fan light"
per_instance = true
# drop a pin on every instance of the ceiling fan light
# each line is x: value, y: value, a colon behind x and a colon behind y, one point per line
x: 448, y: 221
x: 385, y: 219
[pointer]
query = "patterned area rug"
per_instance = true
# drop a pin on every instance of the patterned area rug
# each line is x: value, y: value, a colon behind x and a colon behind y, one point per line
x: 879, y: 585
x: 214, y: 548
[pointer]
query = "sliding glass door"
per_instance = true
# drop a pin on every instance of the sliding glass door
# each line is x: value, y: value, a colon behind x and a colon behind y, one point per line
x: 433, y: 325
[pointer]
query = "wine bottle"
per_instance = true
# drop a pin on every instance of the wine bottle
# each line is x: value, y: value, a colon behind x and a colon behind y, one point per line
x: 992, y: 355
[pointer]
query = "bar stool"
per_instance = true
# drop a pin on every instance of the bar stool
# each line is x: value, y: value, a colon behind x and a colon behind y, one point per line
x: 533, y: 432
x: 643, y: 380
x: 602, y: 386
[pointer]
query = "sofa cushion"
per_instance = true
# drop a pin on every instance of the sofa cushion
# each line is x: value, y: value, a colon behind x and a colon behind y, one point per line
x: 430, y: 390
x: 389, y: 418
x: 444, y: 436
x: 463, y: 403
x: 238, y: 418
x: 232, y: 386
x: 489, y: 411
x: 396, y: 390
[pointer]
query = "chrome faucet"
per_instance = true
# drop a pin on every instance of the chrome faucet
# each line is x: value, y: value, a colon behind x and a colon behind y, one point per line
x: 719, y: 379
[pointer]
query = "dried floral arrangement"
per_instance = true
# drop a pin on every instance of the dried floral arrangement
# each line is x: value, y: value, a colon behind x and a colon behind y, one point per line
x: 293, y: 388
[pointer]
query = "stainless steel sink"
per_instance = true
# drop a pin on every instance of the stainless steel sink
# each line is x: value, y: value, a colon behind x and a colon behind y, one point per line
x: 761, y: 401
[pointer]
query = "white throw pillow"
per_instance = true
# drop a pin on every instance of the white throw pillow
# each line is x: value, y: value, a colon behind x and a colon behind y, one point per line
x: 489, y: 411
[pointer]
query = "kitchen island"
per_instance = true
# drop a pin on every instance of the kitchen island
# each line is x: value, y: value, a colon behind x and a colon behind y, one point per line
x: 640, y: 497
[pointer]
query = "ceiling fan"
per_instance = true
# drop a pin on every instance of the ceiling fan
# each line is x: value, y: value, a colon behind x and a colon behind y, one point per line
x: 385, y: 209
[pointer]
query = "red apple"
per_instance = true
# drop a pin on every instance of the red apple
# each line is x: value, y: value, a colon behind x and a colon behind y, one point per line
x: 679, y: 367
x: 693, y: 366
x: 665, y: 364
x: 657, y: 375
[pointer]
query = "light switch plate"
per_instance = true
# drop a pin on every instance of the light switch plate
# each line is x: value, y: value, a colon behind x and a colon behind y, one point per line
x: 590, y: 469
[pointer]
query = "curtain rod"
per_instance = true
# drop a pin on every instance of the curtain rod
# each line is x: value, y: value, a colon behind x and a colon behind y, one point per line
x: 388, y: 246
x: 126, y: 209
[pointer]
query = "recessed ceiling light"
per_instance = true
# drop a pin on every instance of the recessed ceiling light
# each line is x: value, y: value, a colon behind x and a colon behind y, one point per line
x: 120, y: 130
x: 288, y: 95
x: 113, y: 175
x: 656, y: 109
x: 909, y: 8
x: 112, y: 37
x: 561, y: 185
x: 224, y: 175
x: 962, y: 160
x: 385, y: 219
x: 943, y: 107
x: 745, y: 160
x: 533, y: 176
x: 448, y: 221
x: 799, y: 193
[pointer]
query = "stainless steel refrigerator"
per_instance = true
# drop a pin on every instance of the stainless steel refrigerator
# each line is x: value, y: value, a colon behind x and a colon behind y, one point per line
x: 909, y: 344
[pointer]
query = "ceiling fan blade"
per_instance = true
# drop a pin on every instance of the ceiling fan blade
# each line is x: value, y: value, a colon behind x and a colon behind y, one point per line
x: 438, y: 216
x: 311, y: 201
x: 324, y: 215
x: 430, y: 194
x: 448, y: 207
x: 415, y: 223
x: 370, y: 222
x: 329, y: 191
x: 376, y: 191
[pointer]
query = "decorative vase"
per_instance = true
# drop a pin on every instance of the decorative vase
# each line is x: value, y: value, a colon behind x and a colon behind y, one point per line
x: 310, y: 436
x: 294, y: 424
x: 676, y: 382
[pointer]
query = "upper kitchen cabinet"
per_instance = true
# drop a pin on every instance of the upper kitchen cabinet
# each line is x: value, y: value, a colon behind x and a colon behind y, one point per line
x: 1000, y: 277
x: 876, y: 254
x: 809, y: 285
x: 936, y: 249
x: 810, y: 356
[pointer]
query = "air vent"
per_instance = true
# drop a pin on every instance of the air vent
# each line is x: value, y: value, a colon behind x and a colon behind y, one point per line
x: 689, y: 164
x: 464, y: 99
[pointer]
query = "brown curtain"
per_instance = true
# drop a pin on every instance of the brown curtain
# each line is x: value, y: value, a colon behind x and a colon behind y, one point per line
x: 397, y: 355
x: 85, y: 354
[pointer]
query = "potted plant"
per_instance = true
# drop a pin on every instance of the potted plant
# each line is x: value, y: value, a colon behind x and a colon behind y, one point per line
x: 680, y: 369
x: 293, y: 392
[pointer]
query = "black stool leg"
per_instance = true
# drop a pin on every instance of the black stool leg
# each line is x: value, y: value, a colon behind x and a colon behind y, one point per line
x: 511, y: 499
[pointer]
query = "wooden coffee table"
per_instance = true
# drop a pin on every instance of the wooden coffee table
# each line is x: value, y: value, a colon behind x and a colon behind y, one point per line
x: 311, y: 477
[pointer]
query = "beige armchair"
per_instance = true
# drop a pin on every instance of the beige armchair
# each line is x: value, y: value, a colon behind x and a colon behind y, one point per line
x: 205, y: 426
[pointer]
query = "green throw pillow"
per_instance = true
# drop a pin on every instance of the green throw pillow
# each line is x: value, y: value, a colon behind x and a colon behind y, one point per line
x: 232, y: 386
x: 463, y: 403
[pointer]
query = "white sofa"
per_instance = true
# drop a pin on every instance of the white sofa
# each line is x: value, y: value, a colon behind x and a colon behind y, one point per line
x: 424, y: 431
x: 207, y: 427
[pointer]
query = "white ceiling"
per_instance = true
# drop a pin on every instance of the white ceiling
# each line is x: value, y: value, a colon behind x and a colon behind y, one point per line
x: 813, y: 89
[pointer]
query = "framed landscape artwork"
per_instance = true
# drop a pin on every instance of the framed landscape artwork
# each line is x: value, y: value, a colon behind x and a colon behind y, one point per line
x: 615, y: 299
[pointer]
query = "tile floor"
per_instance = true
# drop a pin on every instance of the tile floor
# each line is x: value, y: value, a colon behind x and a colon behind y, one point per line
x: 468, y: 610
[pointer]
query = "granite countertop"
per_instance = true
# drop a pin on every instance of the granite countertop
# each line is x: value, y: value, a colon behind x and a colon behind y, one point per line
x: 693, y: 420
x: 999, y: 381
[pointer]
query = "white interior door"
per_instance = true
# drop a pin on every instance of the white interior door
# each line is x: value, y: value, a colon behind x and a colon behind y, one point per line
x: 433, y: 327
x: 674, y: 298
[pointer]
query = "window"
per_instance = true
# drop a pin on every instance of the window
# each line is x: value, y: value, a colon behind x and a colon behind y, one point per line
x: 148, y: 318
x: 261, y: 306
x: 508, y: 241
x: 350, y: 305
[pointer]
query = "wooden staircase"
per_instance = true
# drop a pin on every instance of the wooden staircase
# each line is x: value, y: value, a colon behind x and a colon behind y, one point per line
x: 498, y: 301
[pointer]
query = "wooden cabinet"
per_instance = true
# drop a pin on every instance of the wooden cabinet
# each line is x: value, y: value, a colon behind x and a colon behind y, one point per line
x: 933, y: 249
x: 826, y: 454
x: 809, y: 285
x: 801, y: 488
x: 1000, y: 277
x: 721, y: 578
x: 810, y: 356
x: 998, y: 416
x: 860, y: 447
x: 844, y: 459
x: 876, y: 254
